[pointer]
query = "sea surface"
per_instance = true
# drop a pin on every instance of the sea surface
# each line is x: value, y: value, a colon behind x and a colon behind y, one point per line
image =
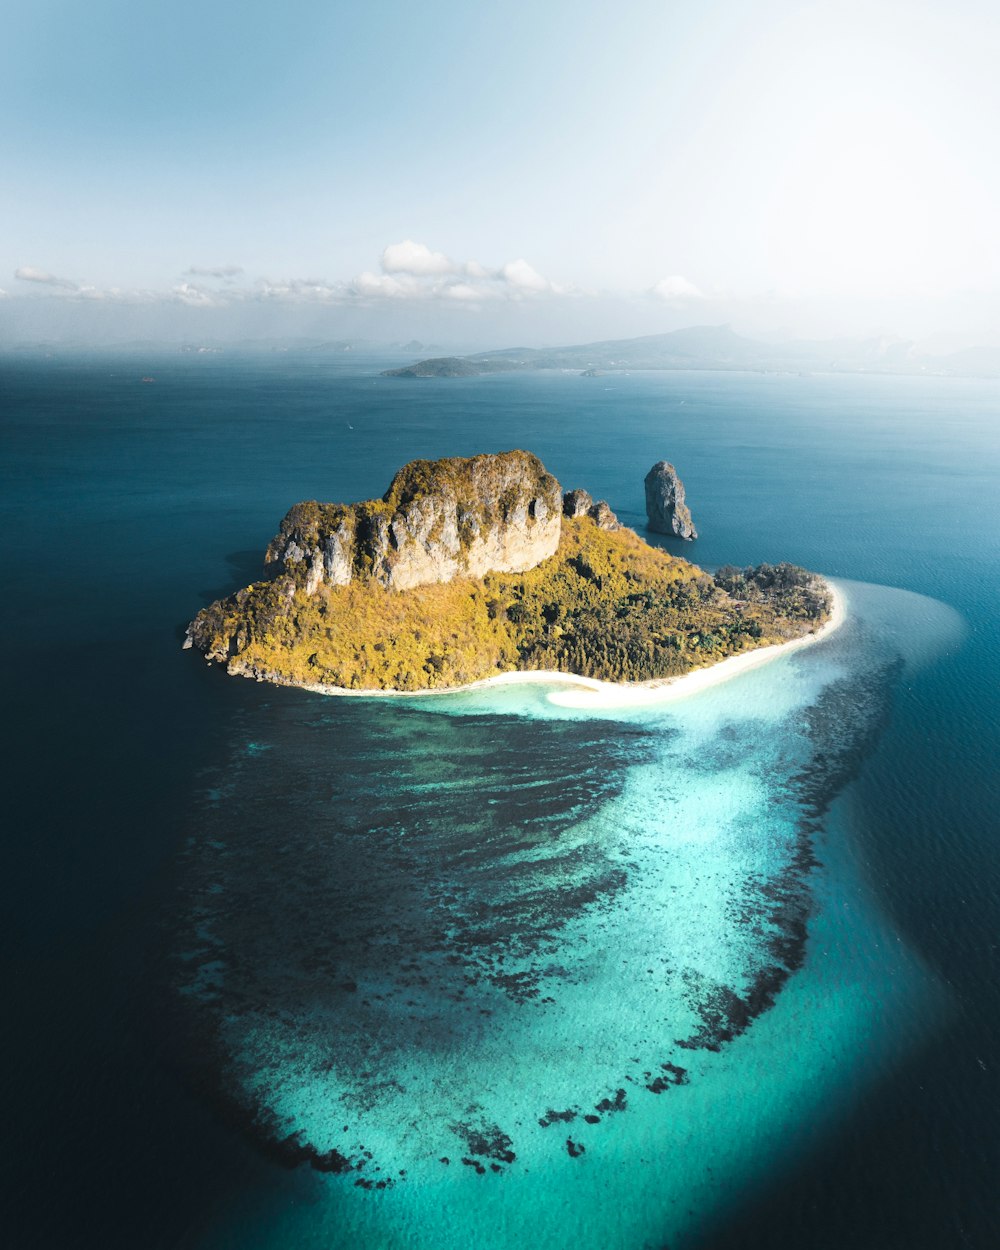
x: 508, y: 969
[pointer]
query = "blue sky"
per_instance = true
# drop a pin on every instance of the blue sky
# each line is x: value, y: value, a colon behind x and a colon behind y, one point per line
x: 528, y: 166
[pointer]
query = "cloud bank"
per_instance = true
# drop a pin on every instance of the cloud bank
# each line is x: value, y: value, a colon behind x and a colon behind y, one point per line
x: 408, y: 272
x: 416, y: 259
x: 411, y: 270
x: 28, y: 273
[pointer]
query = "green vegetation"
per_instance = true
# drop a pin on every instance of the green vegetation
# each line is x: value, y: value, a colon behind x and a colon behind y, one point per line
x: 470, y: 479
x: 803, y: 595
x: 606, y: 605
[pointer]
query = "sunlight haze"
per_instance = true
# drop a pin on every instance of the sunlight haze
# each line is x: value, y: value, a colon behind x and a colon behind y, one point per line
x: 493, y: 175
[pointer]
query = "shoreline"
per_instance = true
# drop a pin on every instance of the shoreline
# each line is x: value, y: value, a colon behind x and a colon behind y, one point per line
x: 590, y: 692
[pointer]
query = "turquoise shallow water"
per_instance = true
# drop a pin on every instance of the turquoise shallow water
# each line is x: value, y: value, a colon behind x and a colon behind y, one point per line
x: 550, y: 979
x: 234, y: 913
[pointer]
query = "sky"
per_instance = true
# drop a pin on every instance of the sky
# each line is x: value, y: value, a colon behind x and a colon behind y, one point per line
x: 498, y: 173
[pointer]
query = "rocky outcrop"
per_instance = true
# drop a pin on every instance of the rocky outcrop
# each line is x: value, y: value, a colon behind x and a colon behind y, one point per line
x: 577, y: 503
x: 666, y: 510
x: 319, y: 538
x: 438, y: 520
x: 602, y: 516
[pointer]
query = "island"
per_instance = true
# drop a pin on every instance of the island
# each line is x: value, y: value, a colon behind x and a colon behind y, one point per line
x: 712, y: 347
x: 472, y: 568
x: 666, y: 509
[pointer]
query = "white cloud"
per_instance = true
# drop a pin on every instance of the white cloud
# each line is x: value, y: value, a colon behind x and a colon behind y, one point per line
x: 412, y: 270
x: 409, y: 271
x: 28, y: 273
x: 416, y: 259
x: 292, y: 290
x: 382, y: 284
x: 522, y: 277
x: 194, y: 296
x: 423, y: 273
x: 224, y: 272
x: 676, y: 289
x: 468, y: 292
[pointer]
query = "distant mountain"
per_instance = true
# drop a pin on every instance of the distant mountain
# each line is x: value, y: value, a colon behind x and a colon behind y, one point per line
x: 972, y: 362
x: 715, y: 347
x: 698, y: 347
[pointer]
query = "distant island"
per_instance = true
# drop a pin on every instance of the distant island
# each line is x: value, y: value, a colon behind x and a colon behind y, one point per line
x: 467, y: 569
x: 712, y: 348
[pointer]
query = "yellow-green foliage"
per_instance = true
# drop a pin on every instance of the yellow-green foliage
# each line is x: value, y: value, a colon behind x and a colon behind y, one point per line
x: 468, y: 478
x: 606, y: 605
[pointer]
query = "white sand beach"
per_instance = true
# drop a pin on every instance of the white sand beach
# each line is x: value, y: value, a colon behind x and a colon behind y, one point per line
x: 589, y: 693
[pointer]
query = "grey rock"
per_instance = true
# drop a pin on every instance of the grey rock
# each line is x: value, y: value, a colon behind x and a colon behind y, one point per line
x: 602, y: 516
x: 581, y: 503
x: 319, y: 538
x: 666, y: 510
x: 338, y: 555
x: 577, y: 503
x: 438, y: 520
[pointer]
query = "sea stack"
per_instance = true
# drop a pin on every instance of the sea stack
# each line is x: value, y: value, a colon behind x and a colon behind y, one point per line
x: 666, y: 510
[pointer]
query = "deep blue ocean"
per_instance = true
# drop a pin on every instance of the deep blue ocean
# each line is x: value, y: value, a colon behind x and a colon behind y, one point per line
x: 723, y: 974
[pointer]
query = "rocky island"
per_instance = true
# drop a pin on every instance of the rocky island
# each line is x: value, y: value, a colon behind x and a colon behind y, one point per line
x: 471, y: 568
x: 666, y: 510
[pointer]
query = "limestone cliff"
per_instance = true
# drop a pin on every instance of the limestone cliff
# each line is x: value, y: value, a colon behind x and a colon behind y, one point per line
x: 666, y: 510
x: 438, y: 520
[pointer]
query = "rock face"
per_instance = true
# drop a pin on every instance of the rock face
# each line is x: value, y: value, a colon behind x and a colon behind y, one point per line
x: 665, y: 507
x: 602, y: 516
x: 578, y: 503
x: 438, y: 520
